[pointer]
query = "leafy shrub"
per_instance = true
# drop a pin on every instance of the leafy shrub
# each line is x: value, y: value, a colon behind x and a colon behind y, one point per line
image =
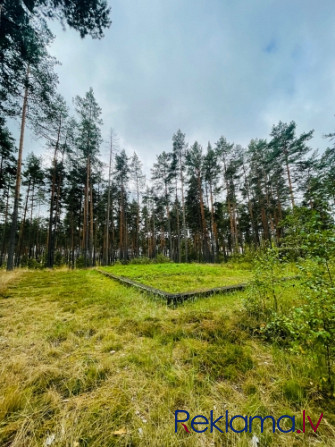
x: 263, y: 295
x: 80, y: 262
x: 140, y: 261
x: 280, y: 329
x: 24, y: 261
x: 34, y: 264
x: 162, y: 259
x: 59, y: 260
x: 308, y: 328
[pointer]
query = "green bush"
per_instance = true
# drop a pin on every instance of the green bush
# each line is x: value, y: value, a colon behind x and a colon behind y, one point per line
x: 59, y: 260
x: 24, y: 261
x: 263, y: 295
x: 80, y: 262
x: 140, y: 261
x: 280, y: 329
x: 161, y: 259
x: 34, y: 264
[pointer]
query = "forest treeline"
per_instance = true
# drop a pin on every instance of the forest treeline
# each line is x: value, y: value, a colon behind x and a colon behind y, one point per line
x: 199, y: 203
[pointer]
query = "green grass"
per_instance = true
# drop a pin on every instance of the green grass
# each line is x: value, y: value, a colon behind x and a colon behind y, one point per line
x: 176, y: 278
x: 88, y: 362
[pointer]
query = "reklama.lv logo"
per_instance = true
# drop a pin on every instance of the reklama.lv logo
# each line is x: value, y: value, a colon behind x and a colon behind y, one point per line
x: 247, y: 421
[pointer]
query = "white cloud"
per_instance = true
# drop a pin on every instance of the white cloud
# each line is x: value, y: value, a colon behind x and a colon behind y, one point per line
x: 208, y: 67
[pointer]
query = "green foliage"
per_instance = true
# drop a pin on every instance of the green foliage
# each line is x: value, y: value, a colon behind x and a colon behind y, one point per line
x: 24, y: 261
x: 316, y: 318
x: 280, y: 329
x: 263, y: 295
x: 80, y: 262
x: 59, y: 259
x: 308, y: 326
x: 161, y: 259
x: 140, y: 261
x: 33, y: 264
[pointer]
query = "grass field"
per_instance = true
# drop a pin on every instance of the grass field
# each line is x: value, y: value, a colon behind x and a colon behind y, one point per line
x: 176, y: 278
x: 86, y: 361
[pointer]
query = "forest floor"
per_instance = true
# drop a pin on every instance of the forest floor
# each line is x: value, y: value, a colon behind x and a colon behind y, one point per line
x: 86, y: 361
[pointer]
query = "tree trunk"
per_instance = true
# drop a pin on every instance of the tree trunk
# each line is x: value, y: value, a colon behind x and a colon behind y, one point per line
x: 20, y: 243
x: 3, y: 248
x: 106, y: 254
x: 230, y: 210
x: 203, y: 221
x: 213, y: 230
x: 289, y: 179
x: 92, y: 247
x: 72, y: 240
x: 12, y: 236
x: 50, y: 239
x: 178, y: 224
x: 183, y: 208
x: 86, y: 215
x: 171, y: 254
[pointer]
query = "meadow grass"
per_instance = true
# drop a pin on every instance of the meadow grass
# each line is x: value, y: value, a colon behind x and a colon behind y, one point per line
x: 177, y: 278
x: 86, y: 361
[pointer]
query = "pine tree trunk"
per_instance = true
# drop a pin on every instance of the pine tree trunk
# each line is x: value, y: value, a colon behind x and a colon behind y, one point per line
x: 230, y: 211
x: 31, y: 228
x: 236, y: 244
x: 231, y: 222
x: 137, y: 235
x: 265, y: 223
x: 20, y: 243
x: 3, y: 249
x: 264, y: 218
x: 153, y: 235
x: 125, y: 238
x: 203, y: 221
x: 12, y: 236
x: 178, y: 224
x: 171, y: 254
x: 106, y: 254
x: 122, y: 225
x: 92, y: 246
x: 113, y: 235
x: 72, y: 240
x: 267, y: 196
x: 213, y: 230
x: 250, y: 208
x: 86, y: 215
x: 184, y: 214
x: 57, y: 210
x: 289, y: 179
x: 50, y: 239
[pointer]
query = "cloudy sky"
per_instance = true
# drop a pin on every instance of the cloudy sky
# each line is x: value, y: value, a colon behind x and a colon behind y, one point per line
x: 208, y: 67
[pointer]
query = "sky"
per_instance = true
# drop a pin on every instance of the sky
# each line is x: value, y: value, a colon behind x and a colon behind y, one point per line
x: 207, y: 67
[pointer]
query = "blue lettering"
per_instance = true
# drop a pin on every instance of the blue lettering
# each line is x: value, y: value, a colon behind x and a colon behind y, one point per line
x: 287, y: 417
x: 214, y: 422
x: 176, y: 420
x: 194, y: 422
x: 262, y: 422
x: 245, y: 418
